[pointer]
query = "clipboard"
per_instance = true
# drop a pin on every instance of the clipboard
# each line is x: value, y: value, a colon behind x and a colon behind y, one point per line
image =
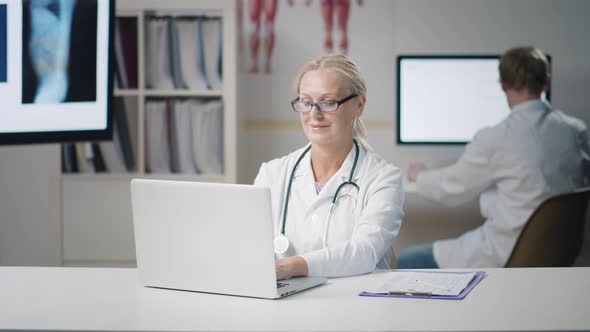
x: 479, y: 275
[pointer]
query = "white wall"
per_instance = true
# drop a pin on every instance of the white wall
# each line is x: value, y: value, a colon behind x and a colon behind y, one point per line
x: 379, y: 31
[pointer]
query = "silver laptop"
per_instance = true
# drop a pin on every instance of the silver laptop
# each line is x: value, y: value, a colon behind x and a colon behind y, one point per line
x: 208, y: 237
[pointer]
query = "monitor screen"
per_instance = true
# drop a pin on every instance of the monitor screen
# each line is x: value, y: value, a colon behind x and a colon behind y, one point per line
x: 447, y: 99
x: 55, y: 74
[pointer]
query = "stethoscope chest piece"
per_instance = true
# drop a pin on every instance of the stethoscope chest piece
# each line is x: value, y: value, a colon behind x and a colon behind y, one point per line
x: 282, y: 247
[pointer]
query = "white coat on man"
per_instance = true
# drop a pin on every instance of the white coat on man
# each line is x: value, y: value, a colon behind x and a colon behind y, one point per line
x: 534, y: 153
x: 358, y: 236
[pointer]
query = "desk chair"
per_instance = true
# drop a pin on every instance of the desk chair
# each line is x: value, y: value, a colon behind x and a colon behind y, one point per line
x: 554, y: 233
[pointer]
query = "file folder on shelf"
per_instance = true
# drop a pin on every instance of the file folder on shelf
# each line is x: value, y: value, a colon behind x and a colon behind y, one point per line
x: 439, y: 285
x: 212, y: 47
x: 207, y: 130
x: 122, y: 134
x: 69, y: 159
x: 158, y: 54
x: 98, y: 161
x: 126, y: 52
x: 190, y: 52
x: 121, y: 70
x: 175, y: 52
x: 113, y: 160
x: 157, y: 143
x: 181, y: 138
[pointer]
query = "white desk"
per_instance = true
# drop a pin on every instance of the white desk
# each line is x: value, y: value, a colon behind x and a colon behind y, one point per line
x: 111, y: 299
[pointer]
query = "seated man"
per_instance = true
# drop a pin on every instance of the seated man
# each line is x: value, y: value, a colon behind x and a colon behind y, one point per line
x: 513, y: 166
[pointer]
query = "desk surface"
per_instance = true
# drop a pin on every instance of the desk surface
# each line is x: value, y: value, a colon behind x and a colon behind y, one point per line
x: 37, y: 298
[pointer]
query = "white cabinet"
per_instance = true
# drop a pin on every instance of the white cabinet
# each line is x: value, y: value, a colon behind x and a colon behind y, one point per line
x: 96, y: 207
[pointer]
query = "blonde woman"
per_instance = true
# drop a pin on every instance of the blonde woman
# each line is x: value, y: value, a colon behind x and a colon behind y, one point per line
x: 337, y: 205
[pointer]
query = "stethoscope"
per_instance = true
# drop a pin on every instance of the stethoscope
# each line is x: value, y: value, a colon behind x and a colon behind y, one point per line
x: 281, y: 243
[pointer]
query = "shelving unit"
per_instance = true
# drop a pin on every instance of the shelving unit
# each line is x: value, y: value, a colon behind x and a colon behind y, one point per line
x: 96, y: 207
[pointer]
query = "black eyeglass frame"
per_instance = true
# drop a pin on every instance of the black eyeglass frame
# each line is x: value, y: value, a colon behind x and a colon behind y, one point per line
x: 317, y: 105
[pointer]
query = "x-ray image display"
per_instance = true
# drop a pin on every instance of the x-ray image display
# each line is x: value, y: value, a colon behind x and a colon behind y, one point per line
x: 3, y: 50
x: 59, y: 51
x: 55, y: 63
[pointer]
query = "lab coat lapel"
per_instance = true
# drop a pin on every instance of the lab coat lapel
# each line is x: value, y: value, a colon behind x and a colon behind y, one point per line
x: 344, y: 171
x: 340, y: 177
x: 304, y: 181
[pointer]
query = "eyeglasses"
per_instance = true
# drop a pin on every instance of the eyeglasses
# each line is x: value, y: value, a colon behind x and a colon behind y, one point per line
x: 325, y: 106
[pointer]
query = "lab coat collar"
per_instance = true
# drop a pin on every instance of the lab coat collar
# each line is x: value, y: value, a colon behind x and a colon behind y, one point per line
x: 342, y: 176
x: 344, y: 171
x: 305, y: 165
x: 532, y: 105
x: 305, y: 180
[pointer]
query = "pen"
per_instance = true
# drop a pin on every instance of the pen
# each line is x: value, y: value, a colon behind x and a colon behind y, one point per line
x: 409, y: 293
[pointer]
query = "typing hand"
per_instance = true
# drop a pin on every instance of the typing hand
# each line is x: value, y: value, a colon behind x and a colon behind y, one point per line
x: 293, y: 266
x: 414, y: 170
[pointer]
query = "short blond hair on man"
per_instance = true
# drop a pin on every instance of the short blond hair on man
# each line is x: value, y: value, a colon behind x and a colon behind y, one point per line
x: 525, y: 67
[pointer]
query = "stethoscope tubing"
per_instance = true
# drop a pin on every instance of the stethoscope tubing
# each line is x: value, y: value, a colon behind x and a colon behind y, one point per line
x: 286, y: 206
x: 342, y: 185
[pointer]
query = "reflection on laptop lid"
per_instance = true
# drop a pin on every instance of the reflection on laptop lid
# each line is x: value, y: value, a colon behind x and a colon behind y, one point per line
x: 207, y: 237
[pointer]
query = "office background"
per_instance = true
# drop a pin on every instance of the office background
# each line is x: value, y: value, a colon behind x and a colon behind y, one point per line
x: 30, y: 228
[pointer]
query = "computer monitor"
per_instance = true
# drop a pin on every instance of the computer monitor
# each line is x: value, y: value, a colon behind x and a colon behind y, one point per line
x: 446, y: 99
x: 55, y: 70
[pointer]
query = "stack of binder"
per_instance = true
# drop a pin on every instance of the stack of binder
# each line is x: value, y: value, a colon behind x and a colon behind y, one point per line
x: 157, y: 136
x: 208, y: 136
x: 114, y: 156
x: 181, y: 137
x: 82, y: 158
x: 190, y: 60
x: 183, y: 52
x: 212, y: 48
x: 158, y: 54
x: 184, y: 136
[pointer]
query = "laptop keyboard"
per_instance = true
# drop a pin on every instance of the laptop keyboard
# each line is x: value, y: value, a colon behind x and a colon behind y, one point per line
x: 281, y: 284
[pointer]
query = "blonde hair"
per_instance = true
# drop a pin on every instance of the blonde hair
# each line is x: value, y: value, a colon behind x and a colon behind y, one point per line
x: 352, y: 74
x: 525, y: 67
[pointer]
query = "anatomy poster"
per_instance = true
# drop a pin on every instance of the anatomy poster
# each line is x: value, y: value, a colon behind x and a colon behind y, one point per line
x: 268, y: 27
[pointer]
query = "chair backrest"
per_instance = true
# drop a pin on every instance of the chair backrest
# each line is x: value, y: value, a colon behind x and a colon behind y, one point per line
x: 554, y: 233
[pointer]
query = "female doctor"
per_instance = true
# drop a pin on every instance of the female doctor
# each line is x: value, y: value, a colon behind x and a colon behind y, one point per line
x: 336, y: 204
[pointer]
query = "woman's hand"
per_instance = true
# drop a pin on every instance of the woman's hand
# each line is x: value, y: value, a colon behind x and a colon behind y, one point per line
x: 293, y: 266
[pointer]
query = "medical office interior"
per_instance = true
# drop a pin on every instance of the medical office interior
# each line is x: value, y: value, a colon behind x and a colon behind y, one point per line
x: 50, y: 218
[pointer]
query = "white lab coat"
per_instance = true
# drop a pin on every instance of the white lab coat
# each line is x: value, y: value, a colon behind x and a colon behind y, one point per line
x: 533, y: 153
x: 362, y: 225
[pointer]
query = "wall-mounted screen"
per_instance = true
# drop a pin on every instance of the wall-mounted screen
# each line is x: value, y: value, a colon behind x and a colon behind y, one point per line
x: 447, y: 99
x: 55, y: 74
